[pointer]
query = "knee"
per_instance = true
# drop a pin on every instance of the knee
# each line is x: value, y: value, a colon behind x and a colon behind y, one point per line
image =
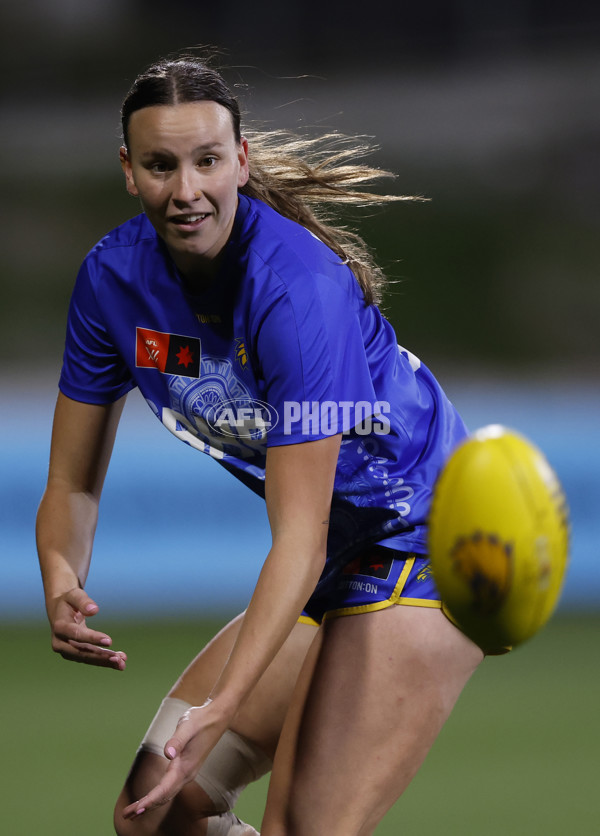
x: 179, y: 820
x: 120, y: 825
x: 182, y: 815
x: 125, y: 827
x: 152, y: 823
x: 146, y: 771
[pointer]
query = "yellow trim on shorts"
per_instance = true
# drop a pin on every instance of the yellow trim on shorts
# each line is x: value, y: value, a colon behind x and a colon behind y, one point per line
x: 419, y: 602
x: 395, y: 597
x: 379, y: 605
x: 306, y: 619
x: 406, y: 570
x: 449, y: 615
x: 398, y: 598
x: 497, y: 651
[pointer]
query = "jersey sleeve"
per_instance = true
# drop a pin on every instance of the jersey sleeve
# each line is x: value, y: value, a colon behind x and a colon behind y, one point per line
x: 92, y: 371
x: 313, y: 360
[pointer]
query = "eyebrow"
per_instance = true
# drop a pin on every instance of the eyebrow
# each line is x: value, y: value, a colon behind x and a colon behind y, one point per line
x: 200, y: 149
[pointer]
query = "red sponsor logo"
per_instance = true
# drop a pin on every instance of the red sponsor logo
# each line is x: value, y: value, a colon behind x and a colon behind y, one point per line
x: 151, y: 349
x: 168, y: 353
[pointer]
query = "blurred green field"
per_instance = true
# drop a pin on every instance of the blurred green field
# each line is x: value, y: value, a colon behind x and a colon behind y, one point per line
x: 519, y: 755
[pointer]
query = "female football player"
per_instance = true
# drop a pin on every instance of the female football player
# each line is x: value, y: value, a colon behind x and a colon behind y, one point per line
x: 249, y: 322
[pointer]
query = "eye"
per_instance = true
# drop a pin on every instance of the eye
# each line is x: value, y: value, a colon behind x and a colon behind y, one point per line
x: 207, y: 162
x: 158, y: 167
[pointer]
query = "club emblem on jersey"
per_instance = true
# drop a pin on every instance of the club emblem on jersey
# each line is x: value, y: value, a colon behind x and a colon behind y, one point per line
x: 168, y: 353
x: 241, y: 354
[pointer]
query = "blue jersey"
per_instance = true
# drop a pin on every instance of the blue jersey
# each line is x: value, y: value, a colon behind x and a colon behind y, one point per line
x: 280, y: 350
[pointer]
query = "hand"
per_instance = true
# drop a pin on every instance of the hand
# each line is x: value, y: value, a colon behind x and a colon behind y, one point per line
x: 198, y: 730
x: 74, y: 640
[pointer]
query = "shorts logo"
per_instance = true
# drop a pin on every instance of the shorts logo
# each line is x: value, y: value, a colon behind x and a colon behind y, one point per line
x: 484, y: 562
x: 425, y: 573
x: 168, y: 353
x: 373, y: 564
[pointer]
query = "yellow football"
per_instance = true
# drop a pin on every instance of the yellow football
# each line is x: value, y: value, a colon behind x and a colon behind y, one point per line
x: 498, y: 538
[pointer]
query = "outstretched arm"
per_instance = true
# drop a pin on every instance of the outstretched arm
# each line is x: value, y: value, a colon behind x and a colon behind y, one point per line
x: 299, y: 487
x: 82, y: 442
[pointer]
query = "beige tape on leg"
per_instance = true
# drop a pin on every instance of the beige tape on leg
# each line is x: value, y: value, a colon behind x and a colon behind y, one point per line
x: 229, y: 825
x: 162, y: 727
x: 233, y: 763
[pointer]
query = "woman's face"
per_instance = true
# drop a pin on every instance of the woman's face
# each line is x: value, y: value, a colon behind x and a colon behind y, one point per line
x: 185, y: 165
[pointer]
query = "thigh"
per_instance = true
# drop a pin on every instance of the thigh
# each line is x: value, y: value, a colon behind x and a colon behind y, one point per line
x: 261, y: 717
x: 260, y: 721
x: 381, y: 688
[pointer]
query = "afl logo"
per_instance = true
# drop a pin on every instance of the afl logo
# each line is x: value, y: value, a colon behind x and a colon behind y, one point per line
x: 241, y: 418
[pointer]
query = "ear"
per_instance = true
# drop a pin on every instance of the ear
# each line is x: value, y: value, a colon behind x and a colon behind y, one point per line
x: 244, y: 172
x: 127, y: 171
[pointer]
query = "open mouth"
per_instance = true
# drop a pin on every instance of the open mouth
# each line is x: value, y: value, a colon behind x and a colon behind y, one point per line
x: 189, y: 221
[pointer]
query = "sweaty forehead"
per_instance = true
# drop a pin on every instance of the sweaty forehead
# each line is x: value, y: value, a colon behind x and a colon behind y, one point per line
x: 201, y: 123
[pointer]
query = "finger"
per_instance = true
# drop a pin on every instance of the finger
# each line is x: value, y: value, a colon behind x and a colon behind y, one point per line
x: 69, y: 632
x: 90, y: 654
x: 170, y: 784
x: 115, y: 662
x: 184, y: 732
x: 81, y: 601
x: 99, y: 652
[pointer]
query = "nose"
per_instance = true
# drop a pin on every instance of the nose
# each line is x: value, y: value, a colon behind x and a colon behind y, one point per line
x: 186, y: 187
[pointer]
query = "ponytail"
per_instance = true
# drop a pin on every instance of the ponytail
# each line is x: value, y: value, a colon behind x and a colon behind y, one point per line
x: 301, y: 178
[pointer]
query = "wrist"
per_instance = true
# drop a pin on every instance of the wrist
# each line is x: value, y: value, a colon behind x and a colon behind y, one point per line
x: 58, y: 576
x: 222, y: 705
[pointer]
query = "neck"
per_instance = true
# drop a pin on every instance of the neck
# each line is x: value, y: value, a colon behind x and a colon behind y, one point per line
x: 198, y: 274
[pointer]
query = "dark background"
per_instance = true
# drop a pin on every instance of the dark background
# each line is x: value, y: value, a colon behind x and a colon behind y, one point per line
x: 492, y: 111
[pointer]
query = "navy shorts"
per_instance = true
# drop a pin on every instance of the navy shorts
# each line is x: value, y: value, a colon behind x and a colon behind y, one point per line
x: 377, y: 578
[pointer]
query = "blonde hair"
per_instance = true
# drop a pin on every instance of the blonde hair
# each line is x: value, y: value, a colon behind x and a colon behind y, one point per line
x: 306, y: 178
x: 303, y: 178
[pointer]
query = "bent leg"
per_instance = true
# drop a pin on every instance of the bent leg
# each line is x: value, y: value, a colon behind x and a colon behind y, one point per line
x: 244, y: 753
x: 261, y: 717
x: 380, y: 690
